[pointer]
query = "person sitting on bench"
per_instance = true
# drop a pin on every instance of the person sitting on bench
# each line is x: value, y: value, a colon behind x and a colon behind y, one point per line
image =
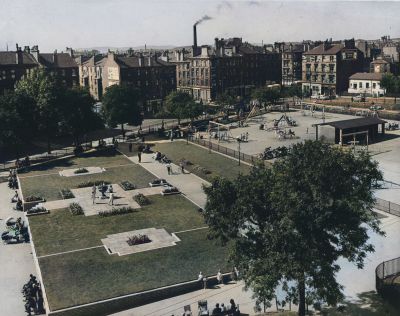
x: 15, y: 197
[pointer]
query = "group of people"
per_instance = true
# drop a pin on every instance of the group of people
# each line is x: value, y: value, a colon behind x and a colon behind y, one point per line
x: 22, y: 163
x: 231, y: 310
x: 33, y: 297
x: 103, y: 189
x: 161, y: 158
x: 12, y: 179
x: 244, y: 137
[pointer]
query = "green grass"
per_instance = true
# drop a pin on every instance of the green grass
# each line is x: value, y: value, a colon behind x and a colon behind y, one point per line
x: 218, y: 164
x: 60, y: 231
x: 101, y: 158
x: 92, y: 275
x: 49, y: 186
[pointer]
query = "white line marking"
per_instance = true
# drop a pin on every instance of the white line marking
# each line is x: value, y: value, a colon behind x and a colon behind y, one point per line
x: 190, y: 230
x: 71, y: 251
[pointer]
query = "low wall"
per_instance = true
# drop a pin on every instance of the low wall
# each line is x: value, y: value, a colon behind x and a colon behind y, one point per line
x: 118, y: 304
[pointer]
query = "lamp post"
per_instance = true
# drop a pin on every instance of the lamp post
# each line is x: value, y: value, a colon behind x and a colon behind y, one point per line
x: 239, y: 140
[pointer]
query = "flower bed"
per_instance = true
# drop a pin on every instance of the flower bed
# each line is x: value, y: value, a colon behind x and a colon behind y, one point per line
x: 76, y: 209
x: 81, y: 170
x: 91, y: 183
x: 138, y: 240
x: 66, y: 194
x: 170, y: 190
x: 117, y: 211
x: 141, y: 199
x: 34, y: 198
x: 37, y: 211
x: 127, y: 186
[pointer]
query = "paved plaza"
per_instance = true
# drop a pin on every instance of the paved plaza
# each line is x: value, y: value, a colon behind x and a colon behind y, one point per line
x: 160, y: 238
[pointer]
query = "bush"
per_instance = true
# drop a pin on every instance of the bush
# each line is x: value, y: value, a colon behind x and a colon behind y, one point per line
x: 76, y: 209
x: 66, y: 194
x: 81, y: 170
x: 91, y: 183
x: 117, y: 211
x: 126, y: 185
x: 141, y: 199
x: 36, y: 210
x: 33, y: 198
x: 138, y: 240
x: 201, y: 170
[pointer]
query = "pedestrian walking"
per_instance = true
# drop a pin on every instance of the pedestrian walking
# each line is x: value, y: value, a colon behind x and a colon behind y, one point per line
x: 181, y: 164
x: 219, y: 277
x: 130, y: 147
x: 111, y: 199
x: 204, y: 282
x: 139, y: 154
x: 169, y: 168
x: 94, y: 193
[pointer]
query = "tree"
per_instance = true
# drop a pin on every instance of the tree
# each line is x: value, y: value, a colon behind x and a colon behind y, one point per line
x: 122, y: 104
x: 225, y: 101
x: 78, y: 116
x: 45, y: 91
x: 181, y: 105
x: 266, y: 95
x: 292, y: 222
x: 391, y: 83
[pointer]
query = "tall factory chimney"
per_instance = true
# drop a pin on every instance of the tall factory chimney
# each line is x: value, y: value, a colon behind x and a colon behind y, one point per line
x: 194, y: 36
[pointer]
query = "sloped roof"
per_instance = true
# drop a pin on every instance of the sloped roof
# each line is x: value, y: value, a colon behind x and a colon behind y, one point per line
x: 379, y: 61
x: 62, y: 60
x: 10, y: 58
x: 366, y: 76
x: 133, y: 62
x: 355, y: 123
x: 330, y: 50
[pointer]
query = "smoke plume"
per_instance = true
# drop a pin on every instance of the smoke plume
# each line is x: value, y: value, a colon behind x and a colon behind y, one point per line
x: 204, y: 18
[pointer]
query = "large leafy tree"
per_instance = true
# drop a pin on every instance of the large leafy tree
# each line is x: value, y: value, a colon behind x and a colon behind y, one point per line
x: 225, y: 101
x: 181, y: 105
x: 266, y: 95
x: 77, y: 114
x: 122, y: 104
x: 45, y: 91
x: 391, y: 83
x: 292, y: 222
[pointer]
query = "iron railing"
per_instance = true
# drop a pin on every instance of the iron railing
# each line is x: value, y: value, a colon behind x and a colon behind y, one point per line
x: 385, y: 275
x: 387, y: 206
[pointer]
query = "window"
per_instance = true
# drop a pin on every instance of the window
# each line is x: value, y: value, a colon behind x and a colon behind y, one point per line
x: 374, y: 85
x: 354, y: 86
x: 331, y: 58
x: 360, y: 85
x: 367, y: 85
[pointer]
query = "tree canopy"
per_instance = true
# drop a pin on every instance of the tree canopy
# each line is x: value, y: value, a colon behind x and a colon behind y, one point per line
x: 122, y: 104
x: 266, y: 95
x: 293, y: 221
x: 77, y: 114
x: 181, y: 105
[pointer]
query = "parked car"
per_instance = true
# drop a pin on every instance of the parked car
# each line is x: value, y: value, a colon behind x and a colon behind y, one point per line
x: 324, y: 97
x: 375, y: 107
x: 359, y: 98
x: 315, y: 96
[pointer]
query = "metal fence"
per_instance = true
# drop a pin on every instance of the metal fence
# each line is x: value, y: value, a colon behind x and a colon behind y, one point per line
x: 227, y: 151
x: 385, y: 274
x: 387, y: 206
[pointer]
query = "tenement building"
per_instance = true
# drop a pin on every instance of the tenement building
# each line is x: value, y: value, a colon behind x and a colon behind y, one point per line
x: 15, y: 64
x: 231, y: 66
x: 153, y: 75
x: 327, y: 67
x: 291, y: 55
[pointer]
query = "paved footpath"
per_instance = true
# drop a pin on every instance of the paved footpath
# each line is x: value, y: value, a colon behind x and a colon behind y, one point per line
x: 16, y: 261
x: 189, y: 184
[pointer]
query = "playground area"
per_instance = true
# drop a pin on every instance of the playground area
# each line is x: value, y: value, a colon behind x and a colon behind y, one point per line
x: 274, y: 129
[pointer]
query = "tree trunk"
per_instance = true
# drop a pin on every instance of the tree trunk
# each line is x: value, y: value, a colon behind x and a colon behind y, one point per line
x: 302, y: 297
x: 48, y: 145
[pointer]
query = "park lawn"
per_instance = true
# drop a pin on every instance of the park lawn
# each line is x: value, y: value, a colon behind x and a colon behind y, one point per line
x: 78, y: 278
x: 96, y: 158
x: 217, y: 164
x: 60, y: 231
x: 49, y: 186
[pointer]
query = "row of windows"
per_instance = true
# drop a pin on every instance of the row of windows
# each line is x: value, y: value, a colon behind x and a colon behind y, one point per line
x: 330, y: 58
x: 322, y: 78
x: 156, y: 82
x: 367, y: 85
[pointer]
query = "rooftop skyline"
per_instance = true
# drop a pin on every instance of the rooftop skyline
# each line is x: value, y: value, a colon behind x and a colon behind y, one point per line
x: 123, y: 23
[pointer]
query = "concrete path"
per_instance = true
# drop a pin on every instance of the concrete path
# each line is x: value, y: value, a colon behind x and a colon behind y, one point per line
x: 174, y: 305
x: 189, y: 184
x: 16, y: 261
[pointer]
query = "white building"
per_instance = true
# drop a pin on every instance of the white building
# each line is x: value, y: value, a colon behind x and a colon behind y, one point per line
x: 366, y: 83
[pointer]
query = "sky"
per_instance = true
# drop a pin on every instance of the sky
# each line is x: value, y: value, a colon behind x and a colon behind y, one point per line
x: 56, y: 24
